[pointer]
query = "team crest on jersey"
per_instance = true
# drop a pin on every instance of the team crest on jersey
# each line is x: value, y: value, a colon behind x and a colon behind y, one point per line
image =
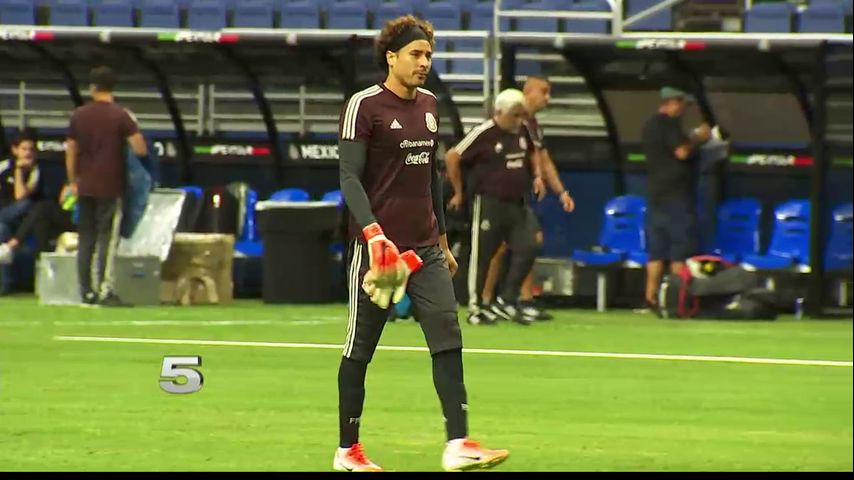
x: 499, y: 147
x: 523, y: 144
x: 430, y: 120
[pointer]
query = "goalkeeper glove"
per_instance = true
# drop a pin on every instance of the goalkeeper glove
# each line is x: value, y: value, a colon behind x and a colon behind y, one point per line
x: 392, y: 288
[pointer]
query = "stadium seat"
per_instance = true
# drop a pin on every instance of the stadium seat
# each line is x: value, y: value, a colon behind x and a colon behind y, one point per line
x: 389, y: 10
x: 302, y: 14
x: 659, y: 21
x: 290, y: 195
x: 588, y: 26
x: 206, y: 15
x: 822, y: 18
x: 772, y: 17
x: 737, y: 229
x: 69, y: 13
x: 542, y: 24
x: 334, y: 196
x: 113, y: 13
x: 159, y: 14
x: 621, y: 239
x: 443, y: 15
x: 17, y: 12
x: 838, y: 256
x: 348, y: 14
x: 253, y: 14
x: 789, y: 247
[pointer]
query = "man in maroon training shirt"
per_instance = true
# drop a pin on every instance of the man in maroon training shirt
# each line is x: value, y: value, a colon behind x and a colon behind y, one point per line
x: 390, y: 182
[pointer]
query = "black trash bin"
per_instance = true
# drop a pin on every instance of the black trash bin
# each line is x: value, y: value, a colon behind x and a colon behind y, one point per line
x: 296, y: 264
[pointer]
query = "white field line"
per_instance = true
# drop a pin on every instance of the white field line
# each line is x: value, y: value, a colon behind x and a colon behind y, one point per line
x: 157, y: 323
x: 488, y: 351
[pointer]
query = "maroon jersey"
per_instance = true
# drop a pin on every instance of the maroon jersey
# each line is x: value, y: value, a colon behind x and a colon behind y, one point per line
x: 401, y: 139
x: 536, y: 132
x: 500, y: 160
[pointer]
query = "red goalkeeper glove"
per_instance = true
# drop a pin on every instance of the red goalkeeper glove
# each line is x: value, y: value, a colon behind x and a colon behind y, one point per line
x: 391, y: 288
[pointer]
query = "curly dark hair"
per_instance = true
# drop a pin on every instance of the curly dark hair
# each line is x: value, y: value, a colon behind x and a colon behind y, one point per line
x: 393, y: 28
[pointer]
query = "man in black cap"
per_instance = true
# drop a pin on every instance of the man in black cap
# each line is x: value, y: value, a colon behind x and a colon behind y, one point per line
x: 388, y: 138
x: 671, y: 220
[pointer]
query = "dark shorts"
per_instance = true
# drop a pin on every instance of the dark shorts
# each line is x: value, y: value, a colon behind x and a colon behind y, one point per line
x: 671, y: 230
x: 433, y: 304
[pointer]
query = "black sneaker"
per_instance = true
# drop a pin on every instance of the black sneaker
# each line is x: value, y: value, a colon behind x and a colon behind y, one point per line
x: 89, y: 299
x: 483, y: 317
x: 510, y: 312
x: 113, y: 300
x: 529, y: 309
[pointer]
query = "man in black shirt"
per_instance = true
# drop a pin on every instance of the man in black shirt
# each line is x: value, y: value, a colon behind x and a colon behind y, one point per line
x: 671, y: 224
x: 20, y: 184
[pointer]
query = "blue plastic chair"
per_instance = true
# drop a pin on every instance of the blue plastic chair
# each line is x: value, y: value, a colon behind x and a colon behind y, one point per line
x: 389, y: 10
x: 772, y: 17
x: 159, y: 14
x: 290, y: 195
x: 622, y: 240
x: 113, y: 13
x: 588, y: 26
x: 334, y: 196
x: 302, y: 14
x: 737, y: 229
x: 542, y: 24
x: 206, y: 15
x: 838, y: 256
x: 790, y: 241
x: 822, y: 18
x: 348, y: 14
x: 17, y: 12
x: 193, y: 190
x: 253, y: 14
x: 661, y: 21
x: 69, y: 13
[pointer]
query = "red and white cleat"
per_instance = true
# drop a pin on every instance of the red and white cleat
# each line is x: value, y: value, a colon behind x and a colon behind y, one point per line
x: 465, y: 454
x: 353, y: 459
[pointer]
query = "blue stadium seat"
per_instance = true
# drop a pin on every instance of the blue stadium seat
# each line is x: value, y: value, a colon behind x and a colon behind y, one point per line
x: 588, y: 26
x: 206, y: 15
x: 789, y: 247
x: 69, y: 13
x: 192, y: 190
x: 334, y: 196
x: 159, y: 14
x: 17, y: 12
x: 661, y: 21
x: 347, y: 14
x: 737, y: 229
x: 622, y: 241
x: 443, y: 15
x: 321, y: 4
x: 822, y: 18
x: 253, y: 14
x: 542, y: 24
x: 302, y: 14
x: 440, y: 65
x: 113, y: 13
x: 290, y: 195
x: 371, y: 5
x: 389, y: 10
x: 838, y: 256
x: 622, y: 232
x: 773, y: 17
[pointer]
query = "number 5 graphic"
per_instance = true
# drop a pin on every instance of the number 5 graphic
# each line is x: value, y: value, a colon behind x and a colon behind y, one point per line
x: 172, y: 371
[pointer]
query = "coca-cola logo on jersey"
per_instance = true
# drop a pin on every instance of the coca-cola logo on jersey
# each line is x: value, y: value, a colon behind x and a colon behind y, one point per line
x: 422, y: 158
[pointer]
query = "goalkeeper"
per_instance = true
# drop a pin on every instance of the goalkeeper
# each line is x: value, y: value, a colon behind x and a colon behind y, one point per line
x: 388, y: 136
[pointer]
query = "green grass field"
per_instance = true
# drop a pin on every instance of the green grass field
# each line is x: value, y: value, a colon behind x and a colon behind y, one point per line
x: 73, y: 405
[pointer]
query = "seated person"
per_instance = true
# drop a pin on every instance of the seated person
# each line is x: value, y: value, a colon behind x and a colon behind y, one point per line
x: 20, y: 184
x: 45, y: 221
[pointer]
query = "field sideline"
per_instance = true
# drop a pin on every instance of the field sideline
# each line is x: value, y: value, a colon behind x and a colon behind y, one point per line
x: 586, y: 392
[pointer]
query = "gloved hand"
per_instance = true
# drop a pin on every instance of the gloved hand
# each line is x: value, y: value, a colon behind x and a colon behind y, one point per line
x: 382, y: 252
x: 383, y: 290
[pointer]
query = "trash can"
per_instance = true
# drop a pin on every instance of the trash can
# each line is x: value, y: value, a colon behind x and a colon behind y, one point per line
x: 296, y: 263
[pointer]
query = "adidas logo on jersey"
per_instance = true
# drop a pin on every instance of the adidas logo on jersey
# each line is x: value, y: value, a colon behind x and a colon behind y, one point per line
x: 395, y: 125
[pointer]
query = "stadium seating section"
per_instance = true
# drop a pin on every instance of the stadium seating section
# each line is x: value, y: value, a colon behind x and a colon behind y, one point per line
x: 815, y: 16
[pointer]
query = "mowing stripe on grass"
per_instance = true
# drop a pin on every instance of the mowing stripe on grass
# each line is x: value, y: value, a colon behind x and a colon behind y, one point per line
x: 490, y: 351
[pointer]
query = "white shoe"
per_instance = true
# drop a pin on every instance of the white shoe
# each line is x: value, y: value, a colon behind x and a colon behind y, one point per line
x: 464, y: 454
x: 5, y: 254
x: 353, y: 459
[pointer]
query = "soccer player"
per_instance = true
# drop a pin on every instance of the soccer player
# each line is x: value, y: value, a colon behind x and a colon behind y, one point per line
x: 390, y: 182
x: 537, y: 92
x: 505, y: 169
